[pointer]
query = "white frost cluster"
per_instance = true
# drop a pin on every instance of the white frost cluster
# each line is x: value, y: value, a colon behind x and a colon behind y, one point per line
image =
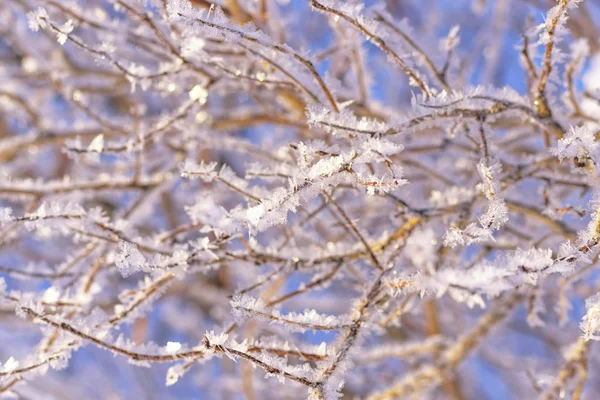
x: 245, y: 307
x: 130, y: 259
x: 591, y: 321
x: 37, y: 19
x: 205, y: 171
x: 577, y: 142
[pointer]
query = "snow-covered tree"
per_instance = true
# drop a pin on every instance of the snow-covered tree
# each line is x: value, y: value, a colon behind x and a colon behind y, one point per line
x: 360, y: 199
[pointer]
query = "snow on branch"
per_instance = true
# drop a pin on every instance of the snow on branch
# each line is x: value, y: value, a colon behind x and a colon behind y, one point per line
x: 350, y: 197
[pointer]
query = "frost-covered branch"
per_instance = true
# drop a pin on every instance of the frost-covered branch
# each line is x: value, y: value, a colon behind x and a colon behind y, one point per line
x: 345, y: 196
